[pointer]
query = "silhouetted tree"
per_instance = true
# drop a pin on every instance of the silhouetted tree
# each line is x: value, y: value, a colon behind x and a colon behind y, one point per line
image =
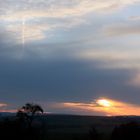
x: 21, y: 127
x: 129, y: 131
x: 31, y: 108
x: 28, y: 111
x: 25, y: 116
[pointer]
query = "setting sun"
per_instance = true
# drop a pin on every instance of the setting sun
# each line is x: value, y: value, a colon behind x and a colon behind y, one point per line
x: 104, y: 102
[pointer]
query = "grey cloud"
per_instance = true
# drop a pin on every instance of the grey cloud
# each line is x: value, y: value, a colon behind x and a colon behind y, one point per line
x: 51, y: 72
x: 122, y: 29
x: 62, y: 79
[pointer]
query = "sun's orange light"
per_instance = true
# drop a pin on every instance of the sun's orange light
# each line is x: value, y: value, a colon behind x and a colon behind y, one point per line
x: 104, y: 102
x: 108, y: 107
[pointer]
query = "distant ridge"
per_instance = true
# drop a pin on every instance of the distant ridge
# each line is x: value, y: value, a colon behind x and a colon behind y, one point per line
x: 73, y: 115
x: 4, y: 114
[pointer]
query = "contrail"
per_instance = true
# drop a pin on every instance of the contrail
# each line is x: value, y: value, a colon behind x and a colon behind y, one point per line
x: 23, y: 32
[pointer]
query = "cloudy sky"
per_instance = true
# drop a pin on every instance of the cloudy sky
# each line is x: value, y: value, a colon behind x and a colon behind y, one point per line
x: 68, y: 55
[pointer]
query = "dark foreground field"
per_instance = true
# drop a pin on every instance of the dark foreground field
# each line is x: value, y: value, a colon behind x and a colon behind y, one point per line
x: 70, y: 127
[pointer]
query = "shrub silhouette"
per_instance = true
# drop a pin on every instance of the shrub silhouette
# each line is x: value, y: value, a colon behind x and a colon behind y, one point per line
x: 129, y: 131
x: 93, y: 134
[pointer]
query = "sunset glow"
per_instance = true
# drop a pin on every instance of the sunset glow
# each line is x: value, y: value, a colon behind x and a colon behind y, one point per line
x: 104, y: 106
x: 104, y: 103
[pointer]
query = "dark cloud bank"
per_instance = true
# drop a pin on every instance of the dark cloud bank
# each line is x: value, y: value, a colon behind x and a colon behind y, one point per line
x: 63, y: 78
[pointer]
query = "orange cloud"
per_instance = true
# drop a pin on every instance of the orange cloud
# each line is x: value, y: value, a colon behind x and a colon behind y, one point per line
x: 105, y: 106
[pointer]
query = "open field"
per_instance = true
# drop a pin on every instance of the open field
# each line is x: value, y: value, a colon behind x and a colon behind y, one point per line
x: 72, y: 127
x: 78, y: 127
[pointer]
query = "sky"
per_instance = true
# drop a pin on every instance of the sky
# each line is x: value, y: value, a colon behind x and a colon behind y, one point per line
x: 68, y: 55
